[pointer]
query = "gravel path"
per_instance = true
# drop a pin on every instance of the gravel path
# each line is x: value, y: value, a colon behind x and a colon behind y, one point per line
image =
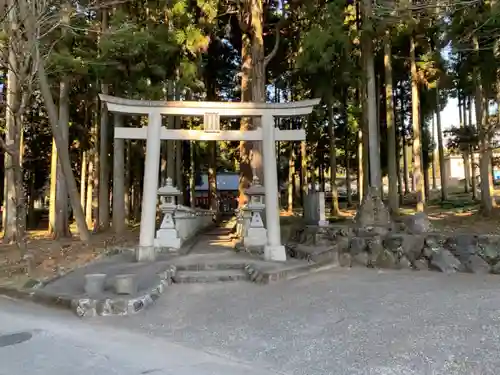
x: 342, y: 321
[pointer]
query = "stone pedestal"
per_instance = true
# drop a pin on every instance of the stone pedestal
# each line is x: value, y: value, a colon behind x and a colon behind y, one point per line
x: 256, y: 234
x: 315, y: 210
x: 145, y: 253
x: 94, y: 283
x: 275, y: 253
x: 125, y: 284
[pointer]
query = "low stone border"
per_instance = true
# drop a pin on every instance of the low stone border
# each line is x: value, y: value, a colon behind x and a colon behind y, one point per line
x: 88, y: 307
x: 260, y: 276
x: 34, y: 284
x: 31, y: 289
x: 471, y: 253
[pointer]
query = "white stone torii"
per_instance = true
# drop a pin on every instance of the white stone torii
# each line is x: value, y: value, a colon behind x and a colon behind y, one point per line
x: 211, y: 112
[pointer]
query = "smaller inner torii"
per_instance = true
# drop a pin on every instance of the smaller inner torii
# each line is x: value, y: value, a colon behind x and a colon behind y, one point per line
x: 211, y: 112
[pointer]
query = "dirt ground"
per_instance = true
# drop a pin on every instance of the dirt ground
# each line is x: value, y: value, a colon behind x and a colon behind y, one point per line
x: 45, y: 257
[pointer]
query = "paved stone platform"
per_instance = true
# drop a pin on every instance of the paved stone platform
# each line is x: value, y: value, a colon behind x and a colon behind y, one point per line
x: 211, y: 259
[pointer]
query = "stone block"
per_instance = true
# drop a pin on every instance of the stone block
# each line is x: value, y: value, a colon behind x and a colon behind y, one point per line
x: 94, y: 283
x: 394, y: 242
x: 421, y: 265
x: 375, y: 248
x: 476, y: 264
x: 465, y: 247
x: 362, y: 259
x: 495, y: 269
x: 85, y: 308
x: 489, y: 248
x: 357, y: 245
x: 418, y: 223
x: 413, y: 247
x: 385, y: 259
x: 433, y: 244
x: 342, y: 244
x: 444, y: 261
x: 372, y: 212
x: 403, y: 262
x: 125, y: 284
x: 345, y: 260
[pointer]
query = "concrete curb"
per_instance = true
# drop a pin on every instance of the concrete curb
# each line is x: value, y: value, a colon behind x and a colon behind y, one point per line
x: 88, y: 307
x: 266, y: 277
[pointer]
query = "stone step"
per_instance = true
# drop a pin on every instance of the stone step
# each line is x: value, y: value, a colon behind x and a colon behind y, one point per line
x: 215, y: 276
x: 210, y: 266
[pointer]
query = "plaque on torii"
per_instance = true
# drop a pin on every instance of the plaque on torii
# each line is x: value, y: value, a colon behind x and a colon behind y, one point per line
x: 211, y: 122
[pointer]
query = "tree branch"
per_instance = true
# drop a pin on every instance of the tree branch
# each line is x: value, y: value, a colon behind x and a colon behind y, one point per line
x: 283, y: 22
x: 274, y: 51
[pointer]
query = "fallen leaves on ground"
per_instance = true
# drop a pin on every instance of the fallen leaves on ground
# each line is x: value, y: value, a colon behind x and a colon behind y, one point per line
x: 45, y: 257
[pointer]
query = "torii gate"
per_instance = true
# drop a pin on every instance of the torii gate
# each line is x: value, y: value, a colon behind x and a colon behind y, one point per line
x: 211, y: 113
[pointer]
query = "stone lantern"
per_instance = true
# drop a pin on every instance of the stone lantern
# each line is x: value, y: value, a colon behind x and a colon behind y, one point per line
x: 167, y: 235
x: 255, y: 233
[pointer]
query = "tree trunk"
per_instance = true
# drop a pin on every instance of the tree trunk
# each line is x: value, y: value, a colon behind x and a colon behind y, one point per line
x: 442, y: 163
x: 303, y: 170
x: 103, y: 162
x: 32, y: 220
x: 62, y: 216
x: 212, y: 176
x: 179, y: 175
x: 321, y: 172
x: 58, y: 133
x: 347, y: 153
x: 333, y: 163
x: 90, y: 193
x: 291, y: 176
x: 433, y: 132
x: 258, y: 80
x: 128, y: 183
x: 63, y: 153
x: 398, y: 171
x: 472, y: 152
x: 12, y: 130
x: 83, y: 180
x: 103, y: 200
x: 484, y: 146
x: 212, y: 159
x: 465, y: 153
x: 119, y: 215
x: 417, y: 143
x: 171, y: 144
x: 426, y: 182
x: 373, y: 131
x: 360, y: 140
x: 391, y: 127
x: 192, y: 175
x: 245, y: 148
x: 53, y: 190
x: 404, y: 150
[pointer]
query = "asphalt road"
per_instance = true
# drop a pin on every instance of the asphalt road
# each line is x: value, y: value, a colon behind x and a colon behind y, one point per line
x: 36, y: 340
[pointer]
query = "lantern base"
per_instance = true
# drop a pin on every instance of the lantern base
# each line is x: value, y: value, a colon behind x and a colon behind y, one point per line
x: 167, y: 237
x: 255, y: 237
